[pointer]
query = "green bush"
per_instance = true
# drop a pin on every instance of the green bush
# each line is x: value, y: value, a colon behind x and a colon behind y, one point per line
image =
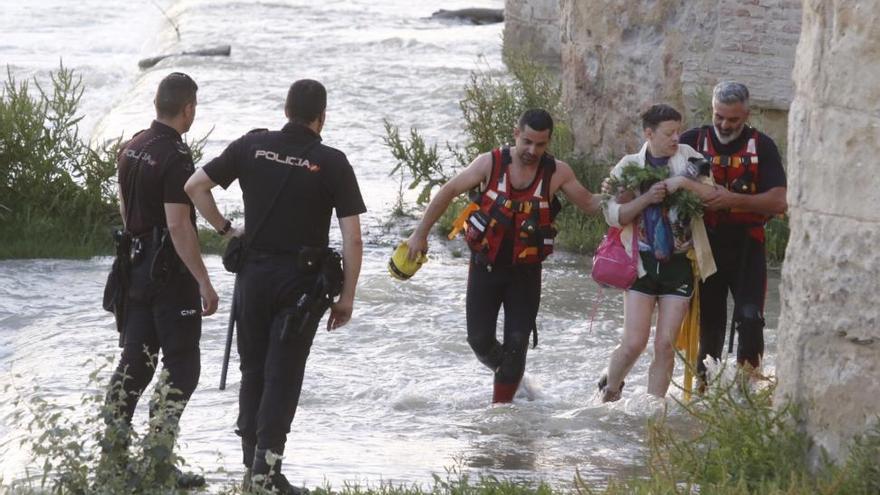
x: 98, y: 454
x: 739, y: 443
x: 57, y: 195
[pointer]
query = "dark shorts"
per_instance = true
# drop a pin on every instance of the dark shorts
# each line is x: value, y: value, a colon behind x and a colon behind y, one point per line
x: 672, y: 278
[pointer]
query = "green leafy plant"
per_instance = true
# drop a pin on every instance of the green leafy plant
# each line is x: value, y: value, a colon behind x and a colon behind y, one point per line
x: 58, y: 194
x: 636, y: 179
x: 88, y: 448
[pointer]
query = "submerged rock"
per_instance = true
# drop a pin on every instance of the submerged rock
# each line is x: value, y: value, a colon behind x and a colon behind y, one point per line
x: 474, y: 15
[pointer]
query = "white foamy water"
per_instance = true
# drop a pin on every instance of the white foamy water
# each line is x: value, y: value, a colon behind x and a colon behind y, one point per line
x: 397, y: 394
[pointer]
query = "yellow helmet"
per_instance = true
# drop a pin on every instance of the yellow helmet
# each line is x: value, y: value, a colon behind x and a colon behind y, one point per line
x: 400, y: 266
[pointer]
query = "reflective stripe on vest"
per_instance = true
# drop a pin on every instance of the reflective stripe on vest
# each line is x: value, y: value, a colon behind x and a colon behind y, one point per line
x: 727, y: 169
x: 508, y: 215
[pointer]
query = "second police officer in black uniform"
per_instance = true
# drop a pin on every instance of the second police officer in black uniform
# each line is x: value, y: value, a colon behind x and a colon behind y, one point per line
x: 290, y: 183
x: 167, y: 286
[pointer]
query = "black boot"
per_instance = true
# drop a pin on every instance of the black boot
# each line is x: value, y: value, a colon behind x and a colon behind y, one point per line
x: 268, y: 476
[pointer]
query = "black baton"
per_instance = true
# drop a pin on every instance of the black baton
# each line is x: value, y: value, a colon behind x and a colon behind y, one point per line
x: 230, y: 329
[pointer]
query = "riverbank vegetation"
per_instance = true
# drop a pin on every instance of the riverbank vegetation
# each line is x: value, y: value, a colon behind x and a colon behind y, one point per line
x: 57, y: 192
x: 731, y: 441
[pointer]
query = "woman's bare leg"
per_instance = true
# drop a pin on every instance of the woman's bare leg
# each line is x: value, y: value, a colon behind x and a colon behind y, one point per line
x: 637, y: 311
x: 669, y: 317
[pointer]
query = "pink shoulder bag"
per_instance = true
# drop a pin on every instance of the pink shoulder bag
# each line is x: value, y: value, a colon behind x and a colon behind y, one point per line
x: 612, y: 267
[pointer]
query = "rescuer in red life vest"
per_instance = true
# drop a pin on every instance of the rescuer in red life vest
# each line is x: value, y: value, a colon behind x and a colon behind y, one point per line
x: 751, y: 188
x: 510, y: 232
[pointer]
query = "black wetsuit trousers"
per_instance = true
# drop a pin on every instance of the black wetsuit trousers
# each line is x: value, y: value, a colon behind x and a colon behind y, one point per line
x: 742, y: 271
x: 516, y: 288
x: 159, y: 316
x: 271, y: 370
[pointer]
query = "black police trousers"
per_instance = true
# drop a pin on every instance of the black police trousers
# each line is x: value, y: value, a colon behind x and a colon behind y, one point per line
x: 742, y: 271
x: 163, y: 316
x: 518, y: 289
x: 271, y: 370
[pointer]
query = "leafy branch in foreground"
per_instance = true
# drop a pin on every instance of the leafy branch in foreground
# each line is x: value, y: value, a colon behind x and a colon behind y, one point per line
x: 421, y: 161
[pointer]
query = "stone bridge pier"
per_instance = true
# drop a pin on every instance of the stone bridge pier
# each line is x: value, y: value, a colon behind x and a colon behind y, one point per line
x: 829, y: 330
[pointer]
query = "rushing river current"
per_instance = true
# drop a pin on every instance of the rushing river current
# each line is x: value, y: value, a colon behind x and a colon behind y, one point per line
x: 397, y: 394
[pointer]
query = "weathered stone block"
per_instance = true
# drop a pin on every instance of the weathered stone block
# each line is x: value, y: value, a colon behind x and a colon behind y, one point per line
x: 829, y: 331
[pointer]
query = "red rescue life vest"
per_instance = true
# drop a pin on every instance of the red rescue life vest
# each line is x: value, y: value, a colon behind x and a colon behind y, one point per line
x: 503, y: 214
x: 739, y: 173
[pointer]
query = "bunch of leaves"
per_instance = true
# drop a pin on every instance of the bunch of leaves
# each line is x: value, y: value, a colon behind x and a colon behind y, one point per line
x: 48, y: 174
x: 637, y: 179
x: 737, y: 442
x: 419, y: 159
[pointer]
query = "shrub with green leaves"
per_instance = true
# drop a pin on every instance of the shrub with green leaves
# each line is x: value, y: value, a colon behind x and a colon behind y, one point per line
x: 738, y: 442
x: 88, y: 448
x: 56, y: 192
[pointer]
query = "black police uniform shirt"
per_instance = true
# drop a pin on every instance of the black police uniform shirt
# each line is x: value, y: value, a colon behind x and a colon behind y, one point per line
x: 153, y: 167
x: 319, y: 182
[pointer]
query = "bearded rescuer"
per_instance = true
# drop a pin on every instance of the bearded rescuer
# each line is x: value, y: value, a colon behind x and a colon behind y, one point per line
x: 751, y: 187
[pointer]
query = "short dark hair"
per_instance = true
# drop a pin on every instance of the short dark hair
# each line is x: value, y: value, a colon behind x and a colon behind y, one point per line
x: 306, y: 100
x: 176, y: 91
x: 658, y: 113
x: 538, y: 119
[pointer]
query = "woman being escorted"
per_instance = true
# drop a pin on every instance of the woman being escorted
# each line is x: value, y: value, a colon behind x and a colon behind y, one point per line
x: 666, y: 232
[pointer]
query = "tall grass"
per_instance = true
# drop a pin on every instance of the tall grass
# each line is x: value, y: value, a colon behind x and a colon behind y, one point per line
x: 87, y: 448
x: 738, y: 443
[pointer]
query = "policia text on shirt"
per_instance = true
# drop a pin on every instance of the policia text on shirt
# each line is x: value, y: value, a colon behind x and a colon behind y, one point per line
x: 287, y: 276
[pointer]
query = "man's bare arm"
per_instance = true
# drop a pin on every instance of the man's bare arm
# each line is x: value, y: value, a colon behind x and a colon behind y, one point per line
x: 186, y: 244
x: 469, y: 178
x: 352, y: 255
x: 579, y: 195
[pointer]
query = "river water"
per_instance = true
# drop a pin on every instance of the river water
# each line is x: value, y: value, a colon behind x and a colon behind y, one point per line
x: 397, y: 394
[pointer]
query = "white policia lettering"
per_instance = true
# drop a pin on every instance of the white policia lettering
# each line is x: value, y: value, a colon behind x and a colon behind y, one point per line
x: 143, y: 155
x: 293, y: 161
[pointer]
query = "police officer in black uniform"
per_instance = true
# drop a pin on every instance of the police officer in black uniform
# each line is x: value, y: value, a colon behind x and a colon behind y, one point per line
x: 168, y: 286
x: 291, y: 184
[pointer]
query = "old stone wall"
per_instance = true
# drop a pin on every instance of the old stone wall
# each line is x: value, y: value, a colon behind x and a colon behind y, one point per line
x: 829, y: 332
x: 531, y: 27
x: 618, y: 57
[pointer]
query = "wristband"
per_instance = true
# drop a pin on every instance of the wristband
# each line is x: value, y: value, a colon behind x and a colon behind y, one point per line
x: 226, y: 227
